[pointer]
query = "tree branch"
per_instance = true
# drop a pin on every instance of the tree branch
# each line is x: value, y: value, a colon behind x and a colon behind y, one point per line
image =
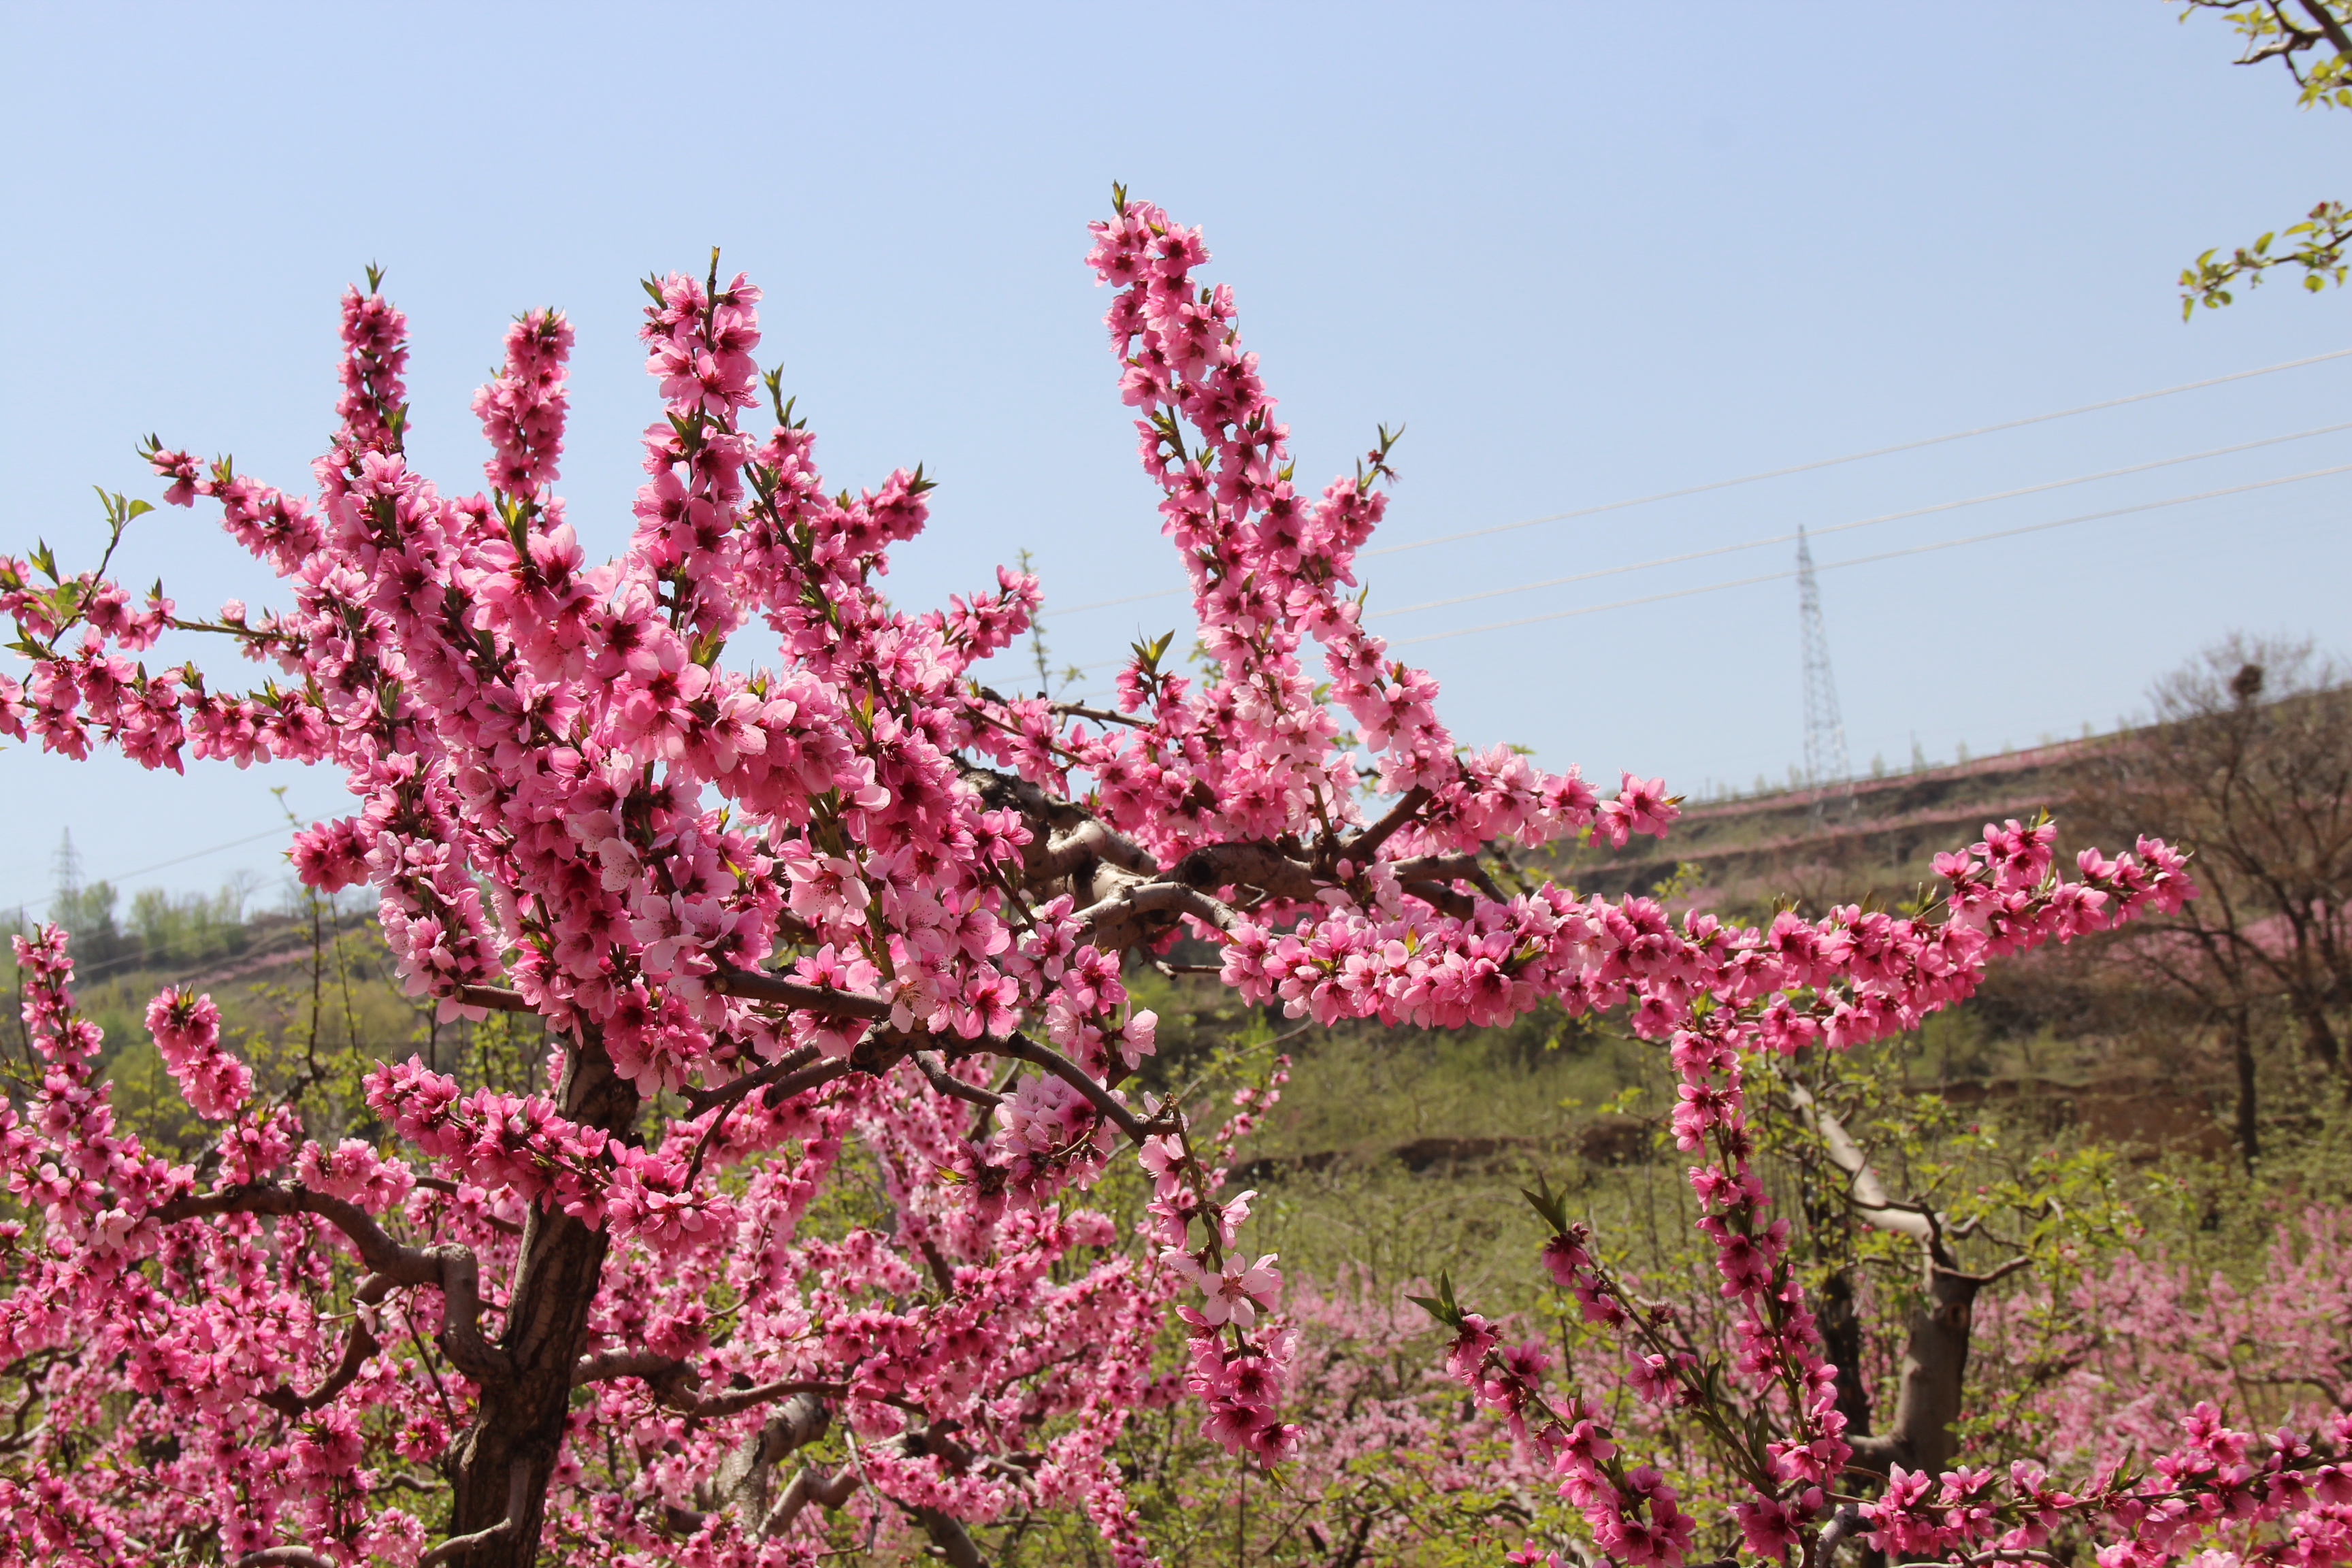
x: 1099, y: 715
x: 1868, y: 1196
x: 1362, y: 848
x: 760, y: 985
x: 1247, y: 865
x: 1841, y: 1524
x: 518, y: 1489
x: 356, y: 1350
x: 671, y: 1378
x: 954, y: 1542
x: 808, y: 1485
x: 754, y: 984
x: 626, y: 1363
x: 935, y: 1074
x: 1123, y: 919
x: 1091, y: 841
x: 449, y: 1266
x: 740, y: 1482
x: 1023, y: 1047
x: 497, y: 998
x: 735, y: 1401
x: 2319, y: 12
x: 699, y: 1100
x: 1449, y: 869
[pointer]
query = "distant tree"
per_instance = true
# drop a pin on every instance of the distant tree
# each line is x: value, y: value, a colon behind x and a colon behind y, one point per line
x: 2313, y: 38
x: 2249, y: 762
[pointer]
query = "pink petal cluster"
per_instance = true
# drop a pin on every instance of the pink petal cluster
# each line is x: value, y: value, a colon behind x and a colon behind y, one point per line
x: 783, y: 877
x: 186, y: 1030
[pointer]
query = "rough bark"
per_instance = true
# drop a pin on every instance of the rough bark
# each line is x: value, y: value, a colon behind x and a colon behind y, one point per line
x: 1936, y: 1351
x: 1935, y: 1372
x: 506, y: 1457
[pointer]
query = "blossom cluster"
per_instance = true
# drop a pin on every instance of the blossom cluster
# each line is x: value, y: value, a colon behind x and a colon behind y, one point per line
x: 781, y: 875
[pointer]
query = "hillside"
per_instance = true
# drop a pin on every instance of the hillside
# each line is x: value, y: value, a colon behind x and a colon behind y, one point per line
x: 1878, y: 834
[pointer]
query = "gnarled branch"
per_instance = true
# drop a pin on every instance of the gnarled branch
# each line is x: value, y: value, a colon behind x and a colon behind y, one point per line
x: 356, y: 1350
x: 740, y: 1482
x: 1865, y: 1192
x: 518, y: 1499
x: 449, y: 1266
x: 1127, y: 916
x: 1936, y: 1351
x: 1443, y: 868
x: 1247, y: 865
x: 808, y: 1485
x: 1091, y: 841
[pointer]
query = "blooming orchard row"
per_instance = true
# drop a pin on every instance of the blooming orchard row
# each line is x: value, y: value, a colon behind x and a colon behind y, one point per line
x: 831, y: 910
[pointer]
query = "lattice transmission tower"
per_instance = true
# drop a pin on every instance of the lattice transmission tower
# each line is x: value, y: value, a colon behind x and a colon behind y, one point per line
x: 1827, y: 771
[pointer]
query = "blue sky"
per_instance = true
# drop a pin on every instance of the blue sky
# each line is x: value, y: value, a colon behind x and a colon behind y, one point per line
x: 1583, y: 253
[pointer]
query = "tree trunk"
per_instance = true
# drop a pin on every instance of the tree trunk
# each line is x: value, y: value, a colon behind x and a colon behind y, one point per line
x: 2318, y: 1037
x: 1842, y: 1332
x: 507, y: 1455
x: 1935, y: 1369
x: 2242, y: 1048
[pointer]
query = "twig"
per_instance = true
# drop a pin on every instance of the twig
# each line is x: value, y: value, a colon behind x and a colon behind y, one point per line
x: 1021, y: 1045
x: 1100, y: 716
x: 444, y: 1184
x: 935, y: 1074
x: 356, y: 1350
x: 699, y: 1100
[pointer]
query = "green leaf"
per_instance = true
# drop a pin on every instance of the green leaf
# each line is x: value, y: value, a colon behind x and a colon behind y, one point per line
x: 1548, y: 1204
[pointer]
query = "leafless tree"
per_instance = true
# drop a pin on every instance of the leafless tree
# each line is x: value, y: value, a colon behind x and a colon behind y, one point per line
x: 2249, y: 762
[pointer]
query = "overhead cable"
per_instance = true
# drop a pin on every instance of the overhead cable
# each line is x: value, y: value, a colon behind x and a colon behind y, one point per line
x: 1860, y: 522
x: 1783, y: 473
x: 1865, y: 560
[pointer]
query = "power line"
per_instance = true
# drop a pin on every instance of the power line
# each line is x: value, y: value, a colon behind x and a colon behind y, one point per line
x: 1858, y: 457
x: 1882, y: 555
x: 1783, y: 472
x: 1861, y: 522
x: 1124, y: 599
x: 200, y: 854
x: 197, y: 855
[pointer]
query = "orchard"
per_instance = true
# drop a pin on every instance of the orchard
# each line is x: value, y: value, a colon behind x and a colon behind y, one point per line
x: 801, y: 902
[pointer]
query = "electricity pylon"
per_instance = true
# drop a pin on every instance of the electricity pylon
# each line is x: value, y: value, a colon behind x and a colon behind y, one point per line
x: 1826, y: 768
